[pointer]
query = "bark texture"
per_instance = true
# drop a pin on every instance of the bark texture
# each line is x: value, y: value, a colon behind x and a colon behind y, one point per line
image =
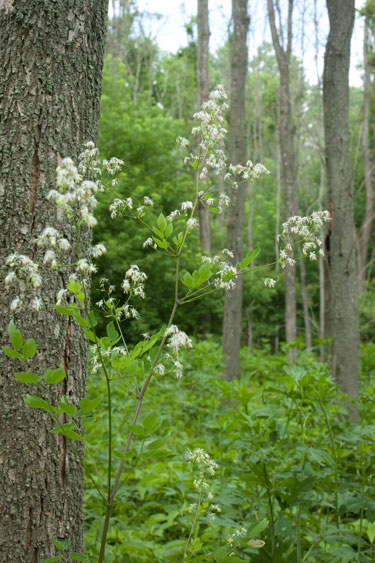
x: 203, y: 88
x: 342, y: 274
x: 288, y: 154
x: 51, y: 56
x: 369, y: 162
x: 233, y: 299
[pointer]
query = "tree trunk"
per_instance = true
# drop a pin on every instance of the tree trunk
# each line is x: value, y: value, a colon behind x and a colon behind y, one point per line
x: 364, y: 238
x: 344, y: 313
x: 233, y: 299
x: 288, y: 167
x: 203, y: 87
x: 51, y: 58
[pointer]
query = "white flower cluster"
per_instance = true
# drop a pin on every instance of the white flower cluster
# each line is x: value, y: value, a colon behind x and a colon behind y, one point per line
x: 89, y: 161
x: 225, y: 275
x: 269, y: 282
x: 210, y: 129
x: 24, y: 272
x: 54, y: 244
x: 133, y: 282
x: 240, y: 532
x: 306, y: 229
x: 121, y: 206
x: 75, y: 196
x: 177, y: 339
x: 207, y: 467
x: 250, y: 172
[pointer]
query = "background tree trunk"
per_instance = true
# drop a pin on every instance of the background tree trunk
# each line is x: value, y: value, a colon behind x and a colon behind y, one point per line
x: 233, y: 299
x: 203, y: 88
x: 288, y: 155
x: 50, y: 81
x: 365, y: 234
x: 344, y: 313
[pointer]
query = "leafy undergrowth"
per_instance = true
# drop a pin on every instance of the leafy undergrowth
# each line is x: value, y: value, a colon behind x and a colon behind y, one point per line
x: 293, y: 473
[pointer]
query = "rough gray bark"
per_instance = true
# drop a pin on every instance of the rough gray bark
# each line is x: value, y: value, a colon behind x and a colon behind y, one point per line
x: 344, y: 313
x: 365, y: 234
x: 233, y: 299
x: 288, y: 155
x: 203, y: 88
x: 51, y: 56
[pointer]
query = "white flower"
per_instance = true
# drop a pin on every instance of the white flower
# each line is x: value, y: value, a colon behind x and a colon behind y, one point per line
x: 148, y: 201
x: 185, y: 205
x: 64, y: 244
x: 191, y: 223
x: 148, y: 242
x: 126, y: 286
x: 160, y: 369
x: 36, y: 303
x: 98, y: 250
x: 16, y: 304
x: 269, y: 282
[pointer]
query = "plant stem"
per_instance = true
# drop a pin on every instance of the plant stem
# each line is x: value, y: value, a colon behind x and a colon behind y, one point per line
x: 192, y: 527
x: 272, y: 517
x: 134, y: 421
x: 331, y: 438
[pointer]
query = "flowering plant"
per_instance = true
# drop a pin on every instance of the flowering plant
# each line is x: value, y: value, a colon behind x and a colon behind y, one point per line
x: 157, y: 354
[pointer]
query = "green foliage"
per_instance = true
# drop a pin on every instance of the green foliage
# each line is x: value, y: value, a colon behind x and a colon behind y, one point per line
x: 292, y: 471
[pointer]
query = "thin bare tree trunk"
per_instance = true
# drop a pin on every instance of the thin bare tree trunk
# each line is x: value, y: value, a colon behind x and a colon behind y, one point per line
x: 203, y: 87
x: 232, y: 327
x: 344, y: 317
x: 365, y: 234
x: 287, y: 149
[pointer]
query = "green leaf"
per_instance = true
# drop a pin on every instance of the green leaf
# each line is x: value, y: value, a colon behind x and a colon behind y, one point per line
x: 12, y: 353
x: 67, y: 408
x: 137, y: 430
x: 74, y: 286
x: 196, y: 279
x: 61, y: 428
x: 29, y: 348
x: 152, y: 422
x: 54, y: 375
x: 205, y: 272
x: 162, y: 222
x: 67, y: 311
x: 92, y: 319
x: 188, y: 280
x: 73, y: 435
x: 78, y: 557
x: 80, y: 320
x: 160, y: 234
x: 169, y: 230
x: 62, y: 544
x: 52, y: 559
x: 38, y: 403
x: 257, y: 528
x: 15, y: 336
x: 161, y: 243
x: 88, y: 405
x: 111, y: 331
x: 27, y: 377
x: 90, y: 335
x: 250, y: 256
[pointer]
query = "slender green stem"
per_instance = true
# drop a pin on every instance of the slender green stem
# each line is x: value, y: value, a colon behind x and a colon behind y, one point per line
x: 192, y: 527
x: 299, y: 551
x: 134, y: 421
x: 270, y: 504
x: 332, y: 441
